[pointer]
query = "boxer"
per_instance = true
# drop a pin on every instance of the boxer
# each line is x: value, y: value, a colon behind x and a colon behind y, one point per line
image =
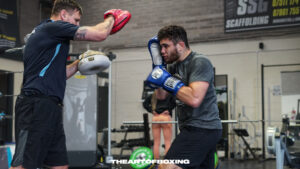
x: 161, y: 108
x: 198, y: 114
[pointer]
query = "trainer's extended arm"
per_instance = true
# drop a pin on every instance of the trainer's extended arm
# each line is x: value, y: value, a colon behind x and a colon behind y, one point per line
x: 114, y: 20
x: 98, y: 32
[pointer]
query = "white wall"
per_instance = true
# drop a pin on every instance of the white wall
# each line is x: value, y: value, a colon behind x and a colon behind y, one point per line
x: 240, y: 60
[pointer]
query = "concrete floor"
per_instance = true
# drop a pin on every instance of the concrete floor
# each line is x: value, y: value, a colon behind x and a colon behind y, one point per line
x: 248, y: 164
x: 226, y: 164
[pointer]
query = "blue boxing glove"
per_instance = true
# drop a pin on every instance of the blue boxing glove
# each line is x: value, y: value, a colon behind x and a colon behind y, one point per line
x: 154, y: 49
x: 161, y: 78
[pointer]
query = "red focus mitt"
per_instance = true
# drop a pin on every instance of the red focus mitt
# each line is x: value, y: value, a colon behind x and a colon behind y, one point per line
x: 121, y: 18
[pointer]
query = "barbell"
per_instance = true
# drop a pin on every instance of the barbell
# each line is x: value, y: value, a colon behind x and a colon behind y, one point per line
x: 223, y: 121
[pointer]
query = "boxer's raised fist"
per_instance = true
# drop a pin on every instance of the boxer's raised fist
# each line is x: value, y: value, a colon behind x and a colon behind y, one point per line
x: 159, y: 77
x: 154, y: 49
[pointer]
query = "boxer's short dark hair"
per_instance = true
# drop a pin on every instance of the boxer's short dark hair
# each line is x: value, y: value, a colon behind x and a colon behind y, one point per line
x: 174, y: 33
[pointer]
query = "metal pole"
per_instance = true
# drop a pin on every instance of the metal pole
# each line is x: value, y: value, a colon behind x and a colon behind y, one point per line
x: 175, y: 122
x: 176, y: 119
x: 109, y: 157
x: 263, y: 112
x: 146, y: 130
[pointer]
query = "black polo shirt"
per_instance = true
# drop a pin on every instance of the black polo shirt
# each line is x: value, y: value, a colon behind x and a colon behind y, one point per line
x: 45, y: 58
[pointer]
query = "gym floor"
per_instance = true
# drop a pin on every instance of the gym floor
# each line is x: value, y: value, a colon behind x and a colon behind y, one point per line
x: 225, y: 164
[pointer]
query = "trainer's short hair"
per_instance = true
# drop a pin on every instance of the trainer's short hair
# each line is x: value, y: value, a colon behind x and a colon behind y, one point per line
x: 174, y: 33
x: 68, y: 5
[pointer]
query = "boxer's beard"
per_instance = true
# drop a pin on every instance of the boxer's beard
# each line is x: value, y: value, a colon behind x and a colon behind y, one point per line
x: 174, y: 55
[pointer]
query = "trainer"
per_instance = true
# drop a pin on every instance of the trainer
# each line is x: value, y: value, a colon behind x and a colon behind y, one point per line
x: 191, y: 80
x: 40, y: 138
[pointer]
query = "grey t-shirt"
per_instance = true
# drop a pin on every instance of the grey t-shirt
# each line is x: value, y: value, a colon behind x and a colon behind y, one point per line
x: 197, y: 67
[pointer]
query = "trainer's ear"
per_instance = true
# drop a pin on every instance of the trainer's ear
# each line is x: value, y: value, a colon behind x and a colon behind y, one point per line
x: 63, y: 14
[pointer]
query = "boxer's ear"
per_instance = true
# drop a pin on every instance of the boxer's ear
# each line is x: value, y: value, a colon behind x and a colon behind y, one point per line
x: 180, y: 46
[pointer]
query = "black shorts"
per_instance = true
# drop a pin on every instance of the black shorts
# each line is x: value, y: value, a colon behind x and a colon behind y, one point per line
x: 196, y: 145
x: 40, y: 137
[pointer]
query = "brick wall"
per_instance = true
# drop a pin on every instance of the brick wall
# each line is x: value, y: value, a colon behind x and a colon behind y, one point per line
x: 29, y: 15
x: 204, y: 21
